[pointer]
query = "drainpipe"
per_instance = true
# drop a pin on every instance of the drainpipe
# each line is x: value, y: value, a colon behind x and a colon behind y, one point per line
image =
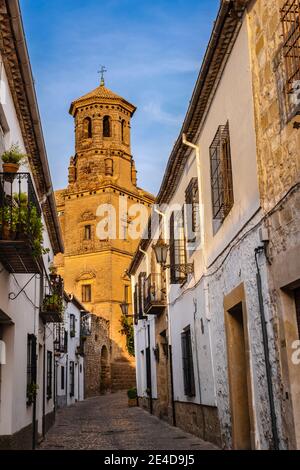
x: 259, y: 250
x: 169, y: 321
x: 196, y: 148
x: 147, y: 260
x: 44, y: 389
x: 150, y: 371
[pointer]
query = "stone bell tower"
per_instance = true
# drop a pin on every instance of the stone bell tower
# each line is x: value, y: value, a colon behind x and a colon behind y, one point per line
x: 102, y: 171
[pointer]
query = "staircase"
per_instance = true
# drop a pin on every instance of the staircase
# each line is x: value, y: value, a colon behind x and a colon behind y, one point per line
x: 122, y: 375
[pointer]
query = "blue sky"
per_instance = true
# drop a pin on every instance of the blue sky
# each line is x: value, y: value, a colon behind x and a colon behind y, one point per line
x: 152, y: 50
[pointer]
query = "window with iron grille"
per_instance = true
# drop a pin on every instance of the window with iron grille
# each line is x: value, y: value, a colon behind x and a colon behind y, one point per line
x: 192, y: 210
x: 177, y: 247
x: 187, y: 363
x: 221, y: 174
x: 290, y: 19
x: 62, y: 377
x: 72, y: 379
x: 297, y: 302
x: 31, y: 366
x: 49, y: 375
x: 72, y: 326
x: 86, y: 293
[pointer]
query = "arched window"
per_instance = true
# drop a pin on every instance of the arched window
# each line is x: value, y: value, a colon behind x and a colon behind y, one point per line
x: 106, y: 126
x: 87, y: 128
x: 123, y: 130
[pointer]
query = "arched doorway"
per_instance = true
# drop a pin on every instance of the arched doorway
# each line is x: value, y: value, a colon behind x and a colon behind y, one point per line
x: 105, y: 371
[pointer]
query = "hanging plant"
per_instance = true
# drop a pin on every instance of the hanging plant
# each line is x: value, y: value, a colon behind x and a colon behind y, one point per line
x: 128, y: 331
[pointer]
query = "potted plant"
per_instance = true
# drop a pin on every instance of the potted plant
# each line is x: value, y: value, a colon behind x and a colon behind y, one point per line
x: 132, y: 397
x: 53, y: 303
x: 31, y: 393
x: 12, y: 159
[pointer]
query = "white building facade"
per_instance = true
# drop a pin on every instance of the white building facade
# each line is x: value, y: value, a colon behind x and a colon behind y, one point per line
x: 69, y: 343
x: 222, y: 375
x: 27, y: 355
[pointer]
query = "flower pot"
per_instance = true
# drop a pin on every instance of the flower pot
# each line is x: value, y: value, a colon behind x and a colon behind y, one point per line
x: 10, y: 167
x: 7, y: 233
x: 132, y: 402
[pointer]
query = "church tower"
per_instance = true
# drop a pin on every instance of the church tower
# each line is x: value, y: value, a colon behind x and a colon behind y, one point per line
x: 101, y: 172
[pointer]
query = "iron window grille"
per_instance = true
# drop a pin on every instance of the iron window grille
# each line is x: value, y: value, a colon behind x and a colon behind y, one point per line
x: 60, y: 338
x: 86, y: 293
x: 290, y: 20
x: 49, y: 375
x: 178, y: 255
x: 72, y: 326
x: 187, y: 363
x: 72, y: 379
x: 62, y: 378
x: 221, y: 174
x: 192, y: 210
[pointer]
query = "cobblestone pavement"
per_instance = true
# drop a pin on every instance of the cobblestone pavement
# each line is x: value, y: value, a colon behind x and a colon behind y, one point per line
x: 107, y: 423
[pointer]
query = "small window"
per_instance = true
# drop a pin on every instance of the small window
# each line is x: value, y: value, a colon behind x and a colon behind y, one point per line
x: 62, y: 378
x: 49, y: 375
x: 192, y: 210
x: 31, y: 367
x: 187, y: 363
x: 221, y: 174
x: 87, y: 128
x: 106, y: 126
x: 177, y: 247
x: 86, y: 293
x: 123, y: 125
x: 87, y: 232
x: 72, y: 326
x: 72, y: 379
x: 297, y: 302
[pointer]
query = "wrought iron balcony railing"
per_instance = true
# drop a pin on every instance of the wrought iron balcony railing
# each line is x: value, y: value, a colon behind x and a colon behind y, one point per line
x: 52, y: 310
x: 60, y: 339
x: 21, y: 229
x: 154, y: 294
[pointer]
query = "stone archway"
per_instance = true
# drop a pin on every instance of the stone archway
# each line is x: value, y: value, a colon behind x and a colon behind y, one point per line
x: 105, y: 370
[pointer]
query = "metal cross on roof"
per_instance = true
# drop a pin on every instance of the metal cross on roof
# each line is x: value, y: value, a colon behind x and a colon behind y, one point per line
x: 102, y: 71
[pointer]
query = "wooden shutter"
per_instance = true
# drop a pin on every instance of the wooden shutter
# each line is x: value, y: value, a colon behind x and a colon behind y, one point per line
x: 187, y: 363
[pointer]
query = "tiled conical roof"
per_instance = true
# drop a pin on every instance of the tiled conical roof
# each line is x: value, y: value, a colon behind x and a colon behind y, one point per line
x: 101, y: 93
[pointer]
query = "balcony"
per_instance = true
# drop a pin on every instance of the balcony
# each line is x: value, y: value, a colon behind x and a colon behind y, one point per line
x: 21, y: 229
x: 52, y: 310
x: 154, y: 295
x: 85, y: 325
x: 60, y: 339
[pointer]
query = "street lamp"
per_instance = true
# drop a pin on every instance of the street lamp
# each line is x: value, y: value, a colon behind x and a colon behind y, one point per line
x: 124, y: 307
x: 161, y: 252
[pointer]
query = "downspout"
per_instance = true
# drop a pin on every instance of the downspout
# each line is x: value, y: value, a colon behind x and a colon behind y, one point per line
x: 150, y: 371
x: 196, y: 148
x: 266, y: 350
x: 44, y: 389
x: 147, y: 260
x: 169, y: 321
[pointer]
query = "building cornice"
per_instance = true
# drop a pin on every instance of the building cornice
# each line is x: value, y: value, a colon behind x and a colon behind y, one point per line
x: 18, y: 70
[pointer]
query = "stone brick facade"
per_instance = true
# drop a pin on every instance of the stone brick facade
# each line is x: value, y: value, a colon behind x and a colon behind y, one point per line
x: 278, y: 154
x: 97, y: 351
x: 102, y: 172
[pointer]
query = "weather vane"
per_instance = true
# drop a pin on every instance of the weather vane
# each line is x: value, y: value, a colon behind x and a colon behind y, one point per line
x: 102, y: 71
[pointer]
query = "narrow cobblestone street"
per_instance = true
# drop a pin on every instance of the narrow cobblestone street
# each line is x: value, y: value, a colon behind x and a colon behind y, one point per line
x: 106, y: 423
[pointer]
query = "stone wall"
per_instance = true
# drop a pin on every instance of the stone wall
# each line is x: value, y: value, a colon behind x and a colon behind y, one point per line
x: 97, y: 351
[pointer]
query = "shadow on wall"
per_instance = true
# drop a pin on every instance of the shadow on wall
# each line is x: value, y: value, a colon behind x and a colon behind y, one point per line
x: 101, y: 374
